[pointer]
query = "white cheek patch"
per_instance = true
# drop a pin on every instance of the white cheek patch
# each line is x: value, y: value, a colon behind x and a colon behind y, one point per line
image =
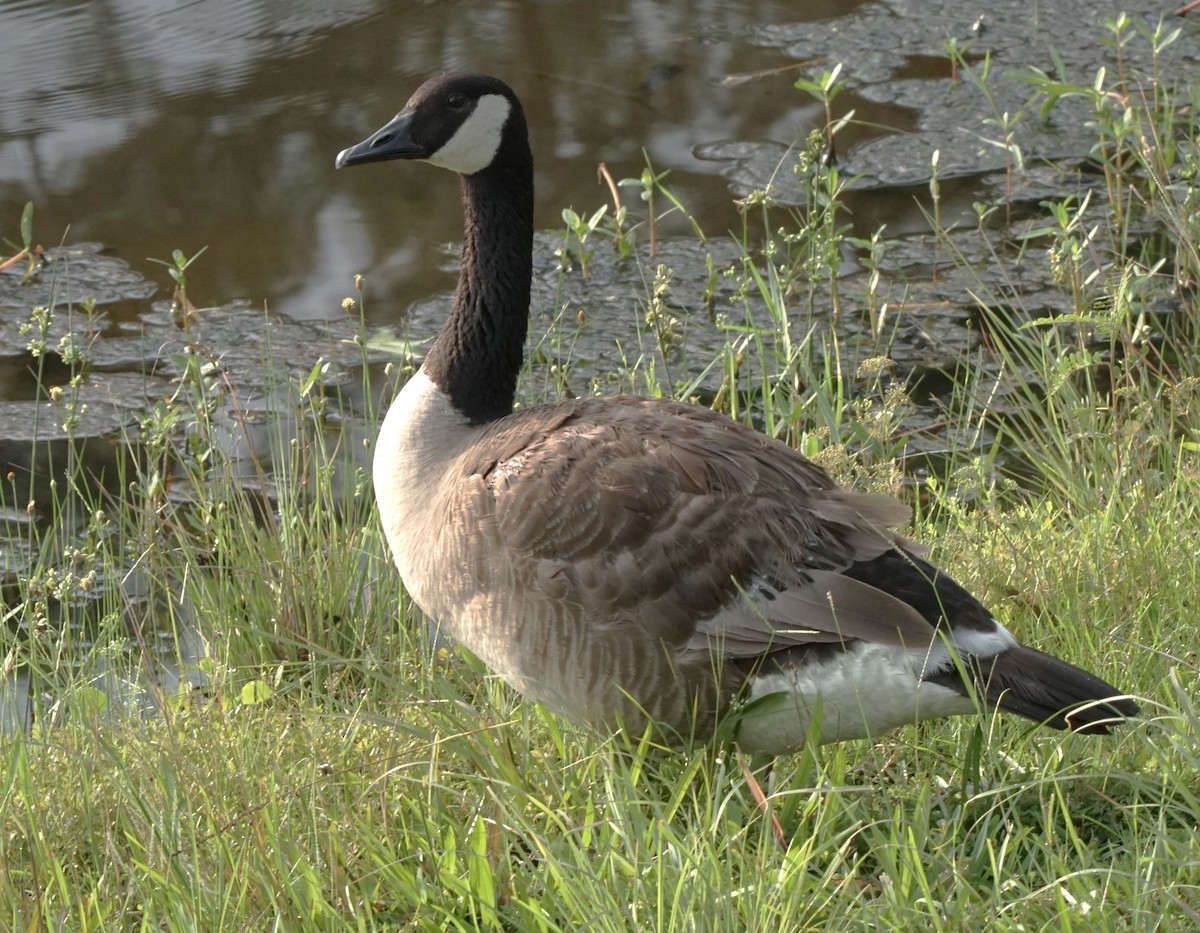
x: 474, y: 145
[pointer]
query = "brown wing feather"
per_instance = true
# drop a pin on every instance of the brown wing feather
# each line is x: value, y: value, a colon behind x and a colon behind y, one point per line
x: 659, y: 521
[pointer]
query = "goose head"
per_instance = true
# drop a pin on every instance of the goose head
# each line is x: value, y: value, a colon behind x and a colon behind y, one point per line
x: 463, y: 123
x: 473, y: 125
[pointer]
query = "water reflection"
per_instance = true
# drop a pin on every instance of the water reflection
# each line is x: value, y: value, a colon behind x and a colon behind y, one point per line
x: 152, y: 126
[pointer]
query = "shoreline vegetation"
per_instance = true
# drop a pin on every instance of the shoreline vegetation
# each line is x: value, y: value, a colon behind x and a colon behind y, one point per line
x: 305, y: 755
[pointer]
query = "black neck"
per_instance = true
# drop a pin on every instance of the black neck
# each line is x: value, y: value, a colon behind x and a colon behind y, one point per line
x: 478, y: 353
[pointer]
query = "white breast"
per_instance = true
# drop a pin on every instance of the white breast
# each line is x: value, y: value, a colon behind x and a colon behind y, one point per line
x: 421, y: 436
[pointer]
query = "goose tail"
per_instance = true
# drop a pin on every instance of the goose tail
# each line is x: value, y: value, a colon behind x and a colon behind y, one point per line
x: 1049, y: 691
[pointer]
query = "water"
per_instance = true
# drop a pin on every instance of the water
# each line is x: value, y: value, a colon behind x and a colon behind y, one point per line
x: 150, y: 126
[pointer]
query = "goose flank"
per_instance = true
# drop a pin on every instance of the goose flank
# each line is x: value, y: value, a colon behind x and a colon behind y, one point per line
x: 629, y: 558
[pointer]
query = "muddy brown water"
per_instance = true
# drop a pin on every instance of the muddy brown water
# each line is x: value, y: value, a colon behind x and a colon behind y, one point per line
x: 148, y: 126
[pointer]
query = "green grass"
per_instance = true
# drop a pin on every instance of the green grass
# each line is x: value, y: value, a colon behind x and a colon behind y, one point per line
x: 324, y: 766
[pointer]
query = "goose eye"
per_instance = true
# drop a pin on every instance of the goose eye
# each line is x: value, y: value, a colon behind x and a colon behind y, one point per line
x: 456, y: 101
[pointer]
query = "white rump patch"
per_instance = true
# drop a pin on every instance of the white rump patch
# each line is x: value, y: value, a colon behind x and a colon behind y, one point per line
x: 476, y: 142
x: 937, y: 659
x: 984, y: 644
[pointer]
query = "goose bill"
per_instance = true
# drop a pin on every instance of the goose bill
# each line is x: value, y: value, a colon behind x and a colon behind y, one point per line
x: 393, y: 141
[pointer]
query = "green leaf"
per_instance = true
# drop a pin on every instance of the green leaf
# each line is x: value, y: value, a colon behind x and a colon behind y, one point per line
x: 89, y: 701
x: 480, y: 878
x: 386, y: 341
x: 255, y: 692
x: 27, y: 225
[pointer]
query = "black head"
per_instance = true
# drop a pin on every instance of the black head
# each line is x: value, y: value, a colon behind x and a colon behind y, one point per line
x: 459, y: 122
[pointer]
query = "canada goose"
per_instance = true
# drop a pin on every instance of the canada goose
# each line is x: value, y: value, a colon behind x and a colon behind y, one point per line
x: 623, y: 558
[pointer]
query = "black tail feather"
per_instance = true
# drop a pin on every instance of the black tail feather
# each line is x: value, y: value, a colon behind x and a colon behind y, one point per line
x: 1040, y: 687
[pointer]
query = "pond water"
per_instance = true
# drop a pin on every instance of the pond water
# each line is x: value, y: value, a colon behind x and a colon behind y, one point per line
x: 149, y: 126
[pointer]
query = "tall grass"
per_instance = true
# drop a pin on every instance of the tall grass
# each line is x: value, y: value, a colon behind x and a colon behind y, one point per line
x: 303, y: 755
